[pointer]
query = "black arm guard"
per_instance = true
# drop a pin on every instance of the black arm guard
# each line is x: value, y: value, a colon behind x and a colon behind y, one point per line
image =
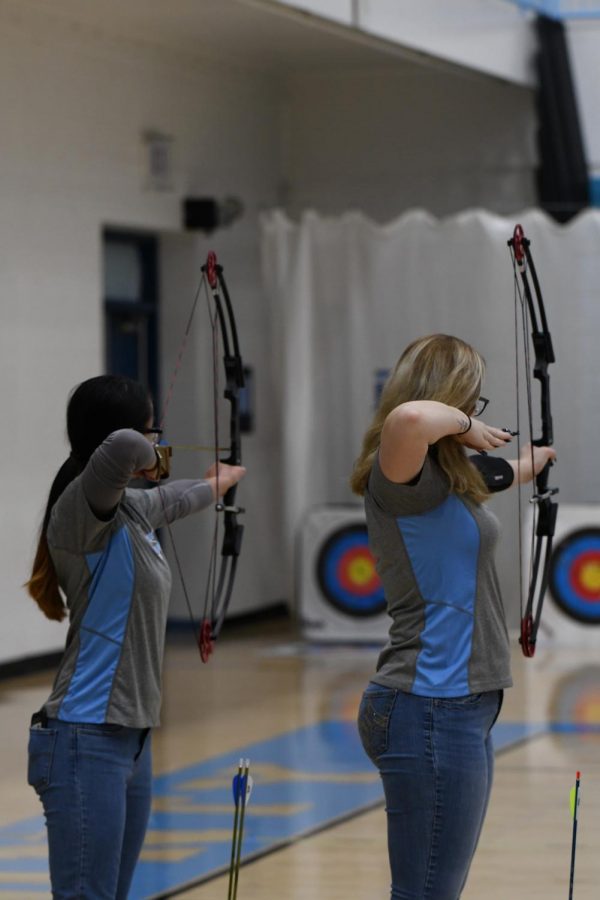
x: 497, y: 473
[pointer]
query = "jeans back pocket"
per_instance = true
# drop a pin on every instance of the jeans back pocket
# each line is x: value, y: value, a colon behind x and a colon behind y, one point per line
x: 374, y: 718
x: 40, y: 755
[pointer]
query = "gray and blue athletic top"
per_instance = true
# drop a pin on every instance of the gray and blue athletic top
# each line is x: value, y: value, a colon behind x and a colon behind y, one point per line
x: 116, y: 582
x: 434, y: 552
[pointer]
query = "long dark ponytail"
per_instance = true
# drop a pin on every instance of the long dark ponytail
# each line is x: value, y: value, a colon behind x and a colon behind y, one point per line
x: 96, y: 408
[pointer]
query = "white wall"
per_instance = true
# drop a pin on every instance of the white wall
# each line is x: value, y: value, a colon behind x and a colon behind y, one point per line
x: 73, y: 105
x: 383, y: 141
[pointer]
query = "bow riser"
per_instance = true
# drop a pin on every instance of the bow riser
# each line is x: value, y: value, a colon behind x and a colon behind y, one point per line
x: 540, y: 372
x: 547, y: 512
x: 234, y: 374
x: 231, y: 393
x: 232, y: 540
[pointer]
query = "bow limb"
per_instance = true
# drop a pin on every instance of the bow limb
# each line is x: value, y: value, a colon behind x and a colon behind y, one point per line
x: 534, y: 316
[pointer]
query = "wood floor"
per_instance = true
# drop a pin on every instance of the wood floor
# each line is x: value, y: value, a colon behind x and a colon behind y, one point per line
x: 263, y: 682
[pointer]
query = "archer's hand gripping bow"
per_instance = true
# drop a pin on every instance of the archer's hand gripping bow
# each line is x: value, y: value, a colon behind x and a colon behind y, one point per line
x: 534, y: 314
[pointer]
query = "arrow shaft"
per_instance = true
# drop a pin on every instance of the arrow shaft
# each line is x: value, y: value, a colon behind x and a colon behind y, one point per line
x: 574, y: 840
x: 234, y: 835
x: 240, y: 835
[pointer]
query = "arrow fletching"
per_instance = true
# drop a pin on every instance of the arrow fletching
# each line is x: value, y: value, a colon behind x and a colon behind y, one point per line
x: 242, y: 784
x: 574, y: 796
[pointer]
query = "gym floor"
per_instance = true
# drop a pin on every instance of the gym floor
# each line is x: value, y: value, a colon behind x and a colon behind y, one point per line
x: 315, y: 823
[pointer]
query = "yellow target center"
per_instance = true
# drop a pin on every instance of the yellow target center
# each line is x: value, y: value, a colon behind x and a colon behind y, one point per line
x: 590, y: 577
x: 361, y: 570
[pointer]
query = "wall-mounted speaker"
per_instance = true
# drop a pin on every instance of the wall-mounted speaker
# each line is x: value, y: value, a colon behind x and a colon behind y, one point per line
x: 200, y: 214
x: 208, y: 213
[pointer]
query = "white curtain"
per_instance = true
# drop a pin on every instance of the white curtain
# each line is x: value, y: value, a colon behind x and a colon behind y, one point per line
x: 347, y: 295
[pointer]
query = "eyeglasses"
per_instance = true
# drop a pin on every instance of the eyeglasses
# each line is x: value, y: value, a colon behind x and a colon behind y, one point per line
x: 156, y: 435
x: 480, y: 405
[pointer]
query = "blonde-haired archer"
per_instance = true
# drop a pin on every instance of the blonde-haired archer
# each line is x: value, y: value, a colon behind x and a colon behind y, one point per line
x: 436, y: 367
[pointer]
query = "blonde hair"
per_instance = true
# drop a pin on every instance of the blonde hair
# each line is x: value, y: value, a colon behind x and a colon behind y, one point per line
x: 437, y: 367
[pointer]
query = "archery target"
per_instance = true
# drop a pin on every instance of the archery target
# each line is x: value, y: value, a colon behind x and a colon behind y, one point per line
x: 572, y: 605
x: 575, y: 575
x: 346, y: 572
x: 575, y: 699
x: 340, y: 595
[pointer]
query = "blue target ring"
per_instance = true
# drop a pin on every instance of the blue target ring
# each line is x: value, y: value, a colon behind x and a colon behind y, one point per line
x: 346, y: 573
x: 575, y: 575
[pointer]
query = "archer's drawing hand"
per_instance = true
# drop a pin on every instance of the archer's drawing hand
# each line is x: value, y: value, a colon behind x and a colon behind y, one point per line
x: 484, y: 437
x: 228, y: 476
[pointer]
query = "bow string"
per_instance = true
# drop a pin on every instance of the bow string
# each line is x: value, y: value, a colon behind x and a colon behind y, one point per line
x: 535, y: 326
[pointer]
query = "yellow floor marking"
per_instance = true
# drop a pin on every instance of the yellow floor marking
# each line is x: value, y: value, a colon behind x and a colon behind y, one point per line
x: 181, y: 804
x: 169, y: 854
x: 25, y: 877
x: 21, y: 851
x: 265, y: 773
x: 206, y: 835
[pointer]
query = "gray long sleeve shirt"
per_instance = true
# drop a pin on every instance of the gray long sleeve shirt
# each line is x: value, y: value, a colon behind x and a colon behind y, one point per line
x: 117, y: 583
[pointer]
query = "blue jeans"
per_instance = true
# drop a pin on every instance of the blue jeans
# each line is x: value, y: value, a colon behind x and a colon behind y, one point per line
x: 436, y: 761
x: 95, y: 784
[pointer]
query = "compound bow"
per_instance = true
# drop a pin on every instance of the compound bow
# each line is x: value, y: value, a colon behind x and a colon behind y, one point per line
x: 220, y: 578
x: 533, y: 315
